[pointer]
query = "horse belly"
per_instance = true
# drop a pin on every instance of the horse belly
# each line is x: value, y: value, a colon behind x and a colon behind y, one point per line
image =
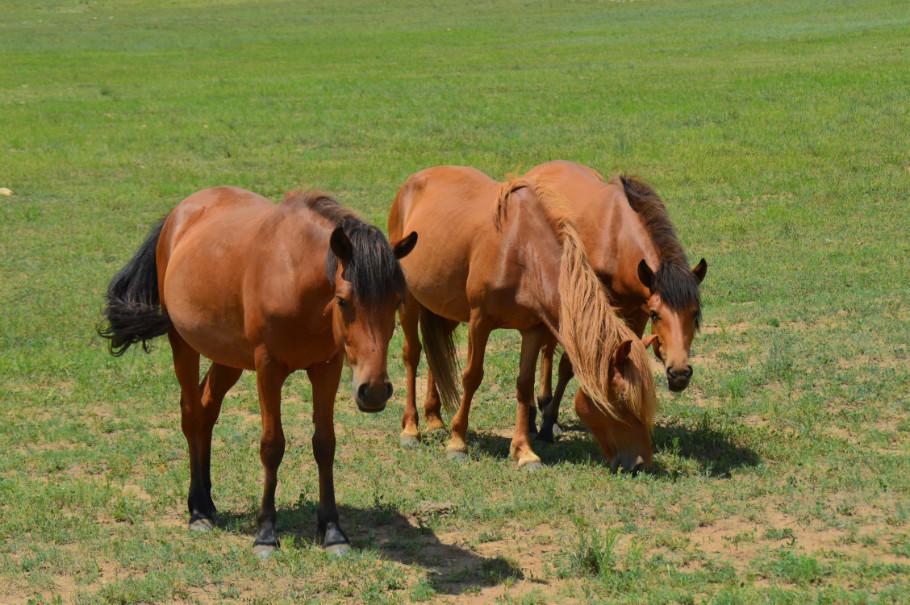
x: 438, y: 286
x: 205, y: 305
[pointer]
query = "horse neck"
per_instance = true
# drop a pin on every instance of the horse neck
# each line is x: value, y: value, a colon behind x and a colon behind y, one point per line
x: 540, y: 254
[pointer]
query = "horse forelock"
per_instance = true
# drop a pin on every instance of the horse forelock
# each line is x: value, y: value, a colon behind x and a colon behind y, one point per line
x: 373, y: 271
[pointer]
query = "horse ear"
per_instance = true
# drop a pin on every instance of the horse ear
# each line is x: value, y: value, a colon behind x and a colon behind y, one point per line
x: 622, y: 353
x: 341, y: 245
x: 405, y: 245
x: 645, y: 274
x: 649, y: 340
x: 700, y: 270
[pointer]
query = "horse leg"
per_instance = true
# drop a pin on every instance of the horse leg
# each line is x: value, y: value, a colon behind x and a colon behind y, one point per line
x: 432, y: 405
x: 186, y: 367
x: 548, y: 427
x: 520, y: 448
x: 324, y: 378
x: 217, y: 382
x: 546, y: 381
x: 410, y: 316
x: 270, y: 377
x: 478, y: 333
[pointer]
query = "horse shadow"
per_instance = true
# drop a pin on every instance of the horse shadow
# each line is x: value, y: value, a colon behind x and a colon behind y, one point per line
x: 451, y: 570
x: 714, y: 452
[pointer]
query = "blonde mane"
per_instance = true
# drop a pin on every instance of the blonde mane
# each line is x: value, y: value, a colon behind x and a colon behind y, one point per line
x: 589, y: 328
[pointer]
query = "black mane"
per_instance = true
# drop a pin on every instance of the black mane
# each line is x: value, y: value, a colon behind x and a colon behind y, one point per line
x: 373, y: 271
x: 674, y: 280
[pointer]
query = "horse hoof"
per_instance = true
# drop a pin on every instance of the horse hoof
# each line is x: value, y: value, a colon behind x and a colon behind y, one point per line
x: 408, y: 441
x: 545, y: 436
x: 264, y: 551
x: 456, y: 455
x: 531, y: 466
x: 337, y: 550
x: 202, y: 524
x: 557, y: 430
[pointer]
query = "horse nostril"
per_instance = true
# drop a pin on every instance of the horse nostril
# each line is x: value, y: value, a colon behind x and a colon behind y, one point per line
x: 362, y: 392
x: 677, y: 374
x: 388, y: 390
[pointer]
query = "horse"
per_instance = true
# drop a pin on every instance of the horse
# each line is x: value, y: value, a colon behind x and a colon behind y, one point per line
x: 636, y: 253
x: 508, y: 256
x: 272, y: 288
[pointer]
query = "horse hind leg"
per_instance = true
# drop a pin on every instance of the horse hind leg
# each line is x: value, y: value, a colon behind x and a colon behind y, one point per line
x: 410, y: 316
x: 478, y: 334
x: 217, y: 382
x: 192, y: 421
x: 432, y: 406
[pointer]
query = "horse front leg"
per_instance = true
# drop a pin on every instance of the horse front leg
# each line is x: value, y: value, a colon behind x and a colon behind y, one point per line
x: 546, y: 381
x: 520, y: 448
x: 549, y: 430
x: 270, y: 377
x: 325, y: 378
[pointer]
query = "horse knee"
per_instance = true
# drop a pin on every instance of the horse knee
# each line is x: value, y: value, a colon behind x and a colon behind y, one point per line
x: 471, y: 380
x: 271, y: 449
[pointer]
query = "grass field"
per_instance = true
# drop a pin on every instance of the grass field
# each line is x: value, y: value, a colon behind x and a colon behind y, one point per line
x: 777, y: 131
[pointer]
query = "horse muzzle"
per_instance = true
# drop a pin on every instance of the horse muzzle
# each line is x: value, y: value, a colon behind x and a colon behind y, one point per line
x: 371, y: 398
x: 678, y: 380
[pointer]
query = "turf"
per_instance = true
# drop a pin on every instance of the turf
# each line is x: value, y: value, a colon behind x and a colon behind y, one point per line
x: 776, y: 132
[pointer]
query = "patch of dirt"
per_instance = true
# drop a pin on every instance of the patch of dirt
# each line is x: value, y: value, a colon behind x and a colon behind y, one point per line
x: 740, y: 540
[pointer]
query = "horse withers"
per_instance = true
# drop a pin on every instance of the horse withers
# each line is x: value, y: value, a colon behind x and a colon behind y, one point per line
x: 506, y: 255
x: 252, y: 285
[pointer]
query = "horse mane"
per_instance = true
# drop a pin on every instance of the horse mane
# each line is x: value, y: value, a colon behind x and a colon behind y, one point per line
x: 373, y: 271
x: 673, y: 280
x: 590, y: 328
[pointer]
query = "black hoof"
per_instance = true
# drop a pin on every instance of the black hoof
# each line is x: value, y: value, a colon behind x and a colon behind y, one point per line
x: 201, y: 523
x: 545, y: 434
x: 334, y: 542
x: 266, y: 540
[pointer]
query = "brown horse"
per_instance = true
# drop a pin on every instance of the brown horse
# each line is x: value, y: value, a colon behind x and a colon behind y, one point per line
x: 633, y: 247
x: 272, y: 288
x: 509, y: 257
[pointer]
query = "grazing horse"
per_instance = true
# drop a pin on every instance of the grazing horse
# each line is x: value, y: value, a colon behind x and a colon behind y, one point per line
x: 634, y: 250
x: 273, y: 288
x: 508, y: 256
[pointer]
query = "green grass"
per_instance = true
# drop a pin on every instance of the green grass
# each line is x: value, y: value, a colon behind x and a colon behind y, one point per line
x: 777, y: 133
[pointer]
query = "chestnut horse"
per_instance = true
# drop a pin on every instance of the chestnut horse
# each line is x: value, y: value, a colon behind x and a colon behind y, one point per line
x: 634, y: 250
x: 272, y: 288
x: 508, y: 256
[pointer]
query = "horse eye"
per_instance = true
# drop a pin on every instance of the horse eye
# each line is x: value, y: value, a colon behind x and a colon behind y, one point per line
x: 654, y: 316
x: 342, y: 302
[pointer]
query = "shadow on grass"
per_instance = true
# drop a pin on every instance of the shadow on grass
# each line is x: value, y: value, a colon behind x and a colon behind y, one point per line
x: 451, y: 569
x: 716, y: 454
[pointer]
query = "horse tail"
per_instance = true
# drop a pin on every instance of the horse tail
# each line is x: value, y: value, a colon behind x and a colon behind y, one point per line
x: 441, y: 355
x: 132, y: 312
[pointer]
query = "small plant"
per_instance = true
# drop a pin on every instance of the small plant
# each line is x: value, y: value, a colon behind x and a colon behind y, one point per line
x: 593, y: 554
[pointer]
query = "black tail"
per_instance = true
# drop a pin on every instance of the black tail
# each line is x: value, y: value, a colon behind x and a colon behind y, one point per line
x: 133, y: 311
x: 441, y: 355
